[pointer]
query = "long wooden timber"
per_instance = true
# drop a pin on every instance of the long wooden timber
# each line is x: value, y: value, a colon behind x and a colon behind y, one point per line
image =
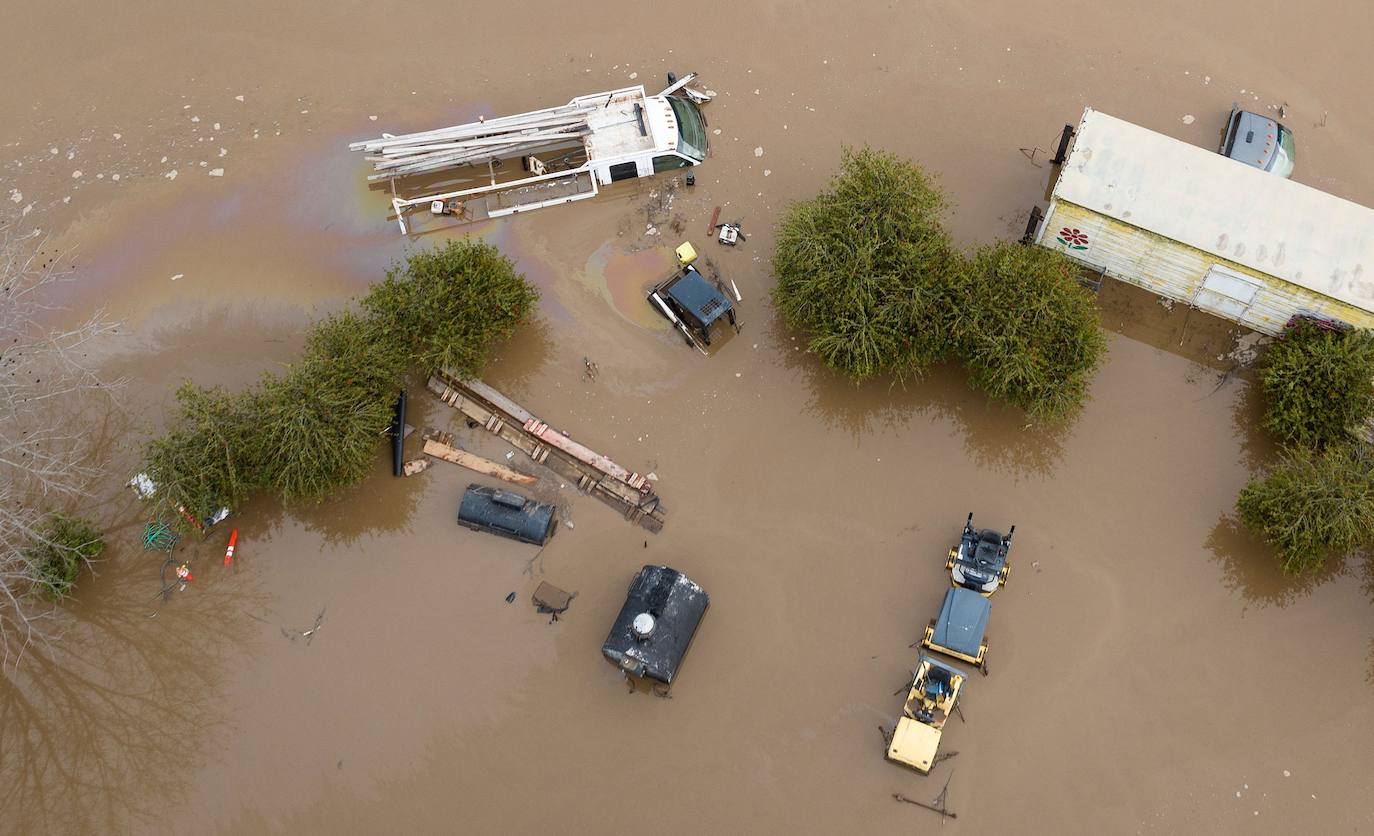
x: 632, y: 494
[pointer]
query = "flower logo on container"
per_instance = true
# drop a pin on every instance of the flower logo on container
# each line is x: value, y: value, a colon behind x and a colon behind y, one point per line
x: 1073, y: 238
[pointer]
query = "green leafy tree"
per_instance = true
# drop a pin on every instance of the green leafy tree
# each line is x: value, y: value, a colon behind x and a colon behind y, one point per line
x: 1027, y: 331
x: 209, y: 457
x: 448, y: 305
x: 65, y: 544
x: 315, y: 428
x: 1318, y: 384
x: 860, y: 268
x: 1313, y: 505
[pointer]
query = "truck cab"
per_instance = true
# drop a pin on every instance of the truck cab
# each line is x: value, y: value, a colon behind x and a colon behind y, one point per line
x: 1258, y: 141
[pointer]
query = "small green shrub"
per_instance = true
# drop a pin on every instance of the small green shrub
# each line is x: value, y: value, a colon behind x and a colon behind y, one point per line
x: 1313, y: 505
x: 1318, y: 384
x: 860, y: 268
x: 209, y: 458
x: 1027, y: 331
x: 65, y: 544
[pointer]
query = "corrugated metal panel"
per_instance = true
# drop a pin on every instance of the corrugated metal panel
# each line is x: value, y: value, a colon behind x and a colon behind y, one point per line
x: 1176, y: 270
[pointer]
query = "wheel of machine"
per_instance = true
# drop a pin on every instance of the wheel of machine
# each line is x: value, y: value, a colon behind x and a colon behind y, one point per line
x: 1002, y: 578
x: 930, y: 634
x: 953, y: 553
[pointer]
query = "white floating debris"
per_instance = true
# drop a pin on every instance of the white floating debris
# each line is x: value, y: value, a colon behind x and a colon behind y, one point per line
x: 767, y: 171
x: 1287, y: 774
x: 758, y: 152
x: 239, y: 97
x: 224, y: 152
x: 634, y: 76
x: 114, y: 177
x: 71, y: 155
x: 372, y: 118
x: 52, y: 151
x: 303, y: 112
x: 216, y: 126
x: 651, y: 476
x: 178, y: 276
x: 716, y: 131
x: 756, y: 91
x: 16, y: 196
x: 509, y: 456
x: 737, y: 374
x: 119, y: 136
x: 171, y: 175
x: 1206, y: 79
x: 1188, y: 120
x: 216, y: 172
x: 27, y: 210
x: 195, y: 118
x: 76, y: 174
x: 164, y: 159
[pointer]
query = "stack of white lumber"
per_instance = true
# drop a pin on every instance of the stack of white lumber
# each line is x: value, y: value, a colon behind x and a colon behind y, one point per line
x: 476, y: 142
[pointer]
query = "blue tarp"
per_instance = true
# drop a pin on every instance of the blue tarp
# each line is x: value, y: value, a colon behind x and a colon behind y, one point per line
x: 962, y: 622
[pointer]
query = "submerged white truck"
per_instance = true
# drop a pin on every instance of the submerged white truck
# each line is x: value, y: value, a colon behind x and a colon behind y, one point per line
x: 565, y: 153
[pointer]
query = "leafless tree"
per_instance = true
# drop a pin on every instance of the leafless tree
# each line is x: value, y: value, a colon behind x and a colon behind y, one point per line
x: 49, y: 388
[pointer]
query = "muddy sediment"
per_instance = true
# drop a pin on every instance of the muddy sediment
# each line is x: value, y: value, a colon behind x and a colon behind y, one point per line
x: 1151, y: 670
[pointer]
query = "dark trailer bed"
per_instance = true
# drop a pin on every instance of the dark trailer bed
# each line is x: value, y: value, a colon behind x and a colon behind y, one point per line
x: 960, y: 628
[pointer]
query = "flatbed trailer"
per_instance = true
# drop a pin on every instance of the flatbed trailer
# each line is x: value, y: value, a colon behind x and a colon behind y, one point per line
x: 566, y: 153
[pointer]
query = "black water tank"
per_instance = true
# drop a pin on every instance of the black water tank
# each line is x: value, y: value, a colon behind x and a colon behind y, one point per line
x: 508, y: 514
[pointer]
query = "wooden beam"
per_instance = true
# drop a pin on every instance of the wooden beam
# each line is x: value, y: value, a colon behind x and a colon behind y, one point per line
x: 486, y: 467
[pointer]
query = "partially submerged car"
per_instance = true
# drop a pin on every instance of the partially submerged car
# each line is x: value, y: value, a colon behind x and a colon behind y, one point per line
x: 1258, y: 141
x: 650, y: 636
x: 979, y: 562
x: 935, y: 690
x: 507, y: 514
x: 961, y: 628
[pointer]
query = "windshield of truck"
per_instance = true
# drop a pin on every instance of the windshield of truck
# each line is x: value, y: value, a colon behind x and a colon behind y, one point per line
x: 1285, y: 155
x: 691, y: 128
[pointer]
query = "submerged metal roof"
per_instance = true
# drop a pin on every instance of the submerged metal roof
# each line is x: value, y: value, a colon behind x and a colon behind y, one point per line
x: 1198, y: 197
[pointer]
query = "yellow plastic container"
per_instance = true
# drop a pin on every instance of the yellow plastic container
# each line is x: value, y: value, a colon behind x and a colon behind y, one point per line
x: 686, y: 253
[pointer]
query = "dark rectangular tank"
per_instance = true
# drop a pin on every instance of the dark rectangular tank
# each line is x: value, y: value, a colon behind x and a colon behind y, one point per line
x: 656, y: 625
x: 508, y: 514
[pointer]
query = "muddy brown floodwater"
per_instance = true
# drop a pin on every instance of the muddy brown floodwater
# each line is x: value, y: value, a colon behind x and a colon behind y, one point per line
x: 1151, y: 671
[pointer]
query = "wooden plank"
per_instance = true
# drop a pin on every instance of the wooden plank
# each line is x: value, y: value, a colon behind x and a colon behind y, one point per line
x: 473, y: 462
x: 643, y: 508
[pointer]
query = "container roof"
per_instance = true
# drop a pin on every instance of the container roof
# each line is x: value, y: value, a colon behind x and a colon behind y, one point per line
x: 1198, y: 197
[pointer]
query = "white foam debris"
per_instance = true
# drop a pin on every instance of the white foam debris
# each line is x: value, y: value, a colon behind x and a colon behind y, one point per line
x: 216, y: 126
x: 216, y: 172
x: 303, y: 112
x: 1206, y: 79
x: 195, y: 118
x: 756, y: 91
x: 118, y: 136
x: 52, y: 151
x: 76, y: 175
x: 634, y: 76
x: 1287, y: 774
x: 114, y: 177
x: 203, y: 163
x: 178, y: 276
x: 185, y: 107
x: 224, y: 152
x: 767, y: 171
x: 238, y: 98
x: 1188, y: 119
x: 71, y: 155
x: 372, y: 118
x: 27, y: 210
x: 16, y: 196
x: 716, y: 131
x: 164, y: 159
x: 171, y: 175
x: 758, y: 152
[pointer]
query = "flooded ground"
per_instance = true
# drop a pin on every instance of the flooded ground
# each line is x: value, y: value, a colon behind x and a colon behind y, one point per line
x: 1151, y: 671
